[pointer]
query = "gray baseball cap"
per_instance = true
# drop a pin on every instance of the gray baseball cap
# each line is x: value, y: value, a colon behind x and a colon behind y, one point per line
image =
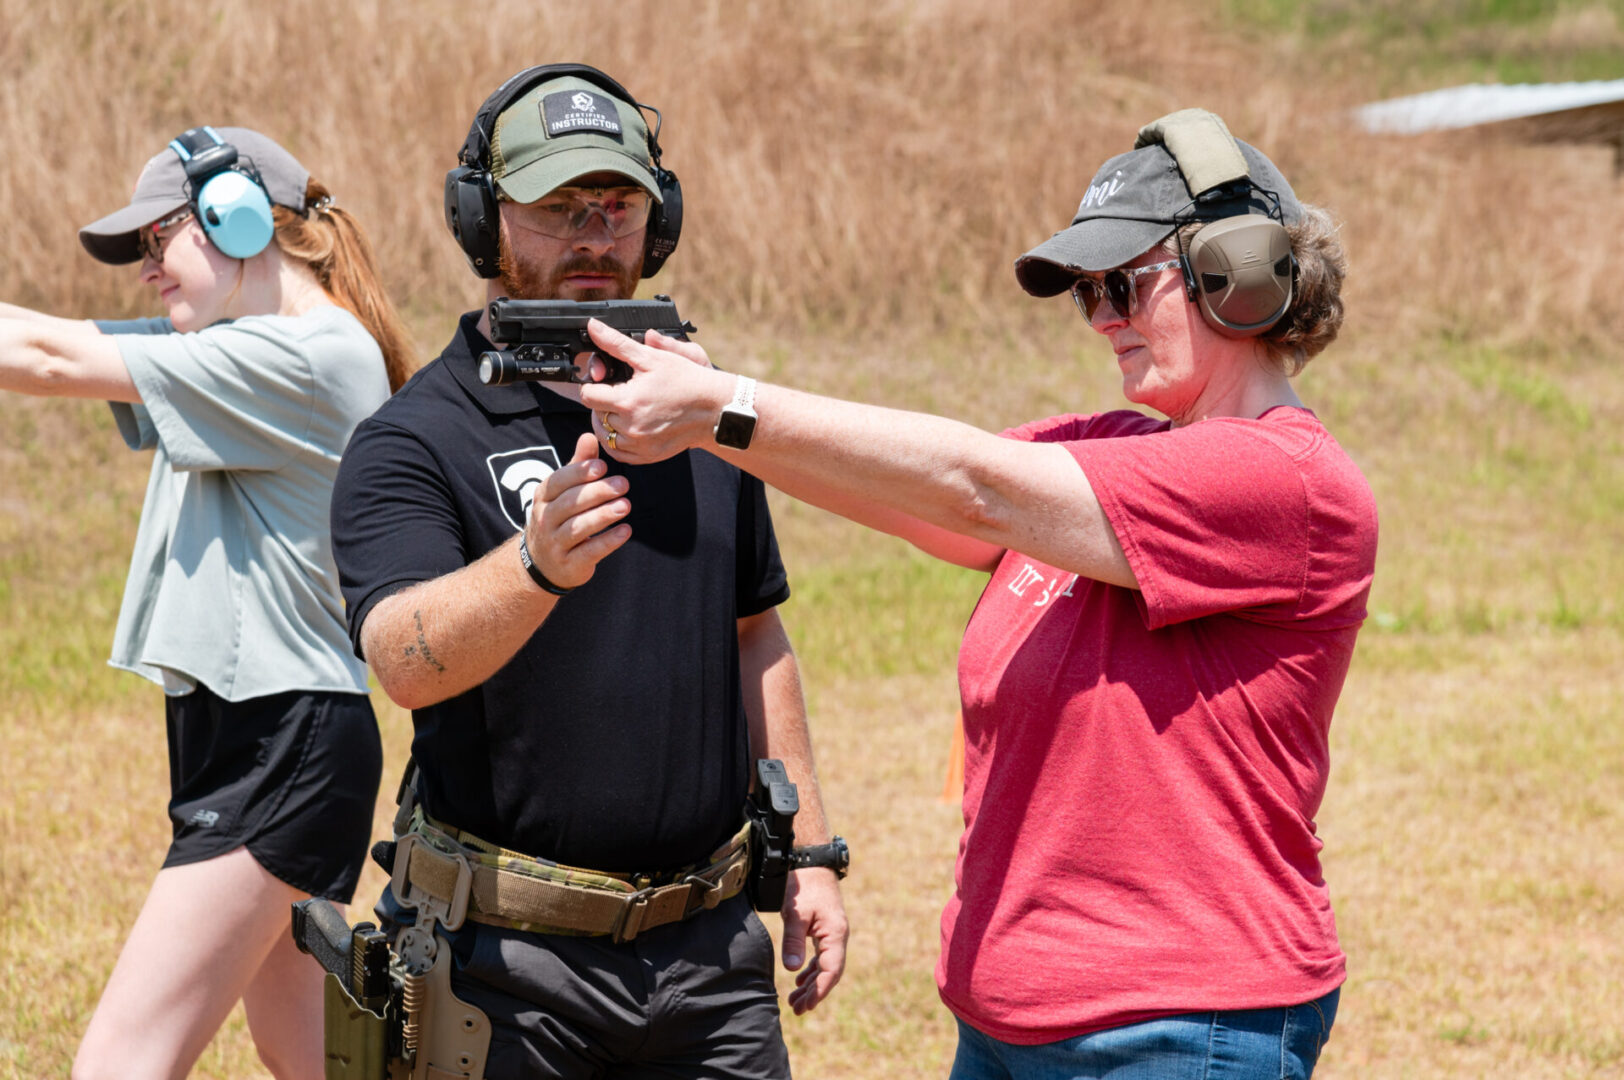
x: 161, y: 191
x: 1134, y: 203
x: 565, y: 128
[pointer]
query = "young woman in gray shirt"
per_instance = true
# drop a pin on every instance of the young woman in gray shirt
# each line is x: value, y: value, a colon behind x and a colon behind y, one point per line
x: 279, y: 340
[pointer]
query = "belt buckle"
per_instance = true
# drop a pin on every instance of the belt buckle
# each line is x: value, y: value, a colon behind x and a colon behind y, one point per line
x: 710, y: 892
x: 626, y: 927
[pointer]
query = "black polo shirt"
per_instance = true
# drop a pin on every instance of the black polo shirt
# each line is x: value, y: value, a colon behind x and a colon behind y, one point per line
x: 616, y: 738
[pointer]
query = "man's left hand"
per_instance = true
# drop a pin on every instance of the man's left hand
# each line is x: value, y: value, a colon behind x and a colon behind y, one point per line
x: 814, y: 913
x: 670, y: 404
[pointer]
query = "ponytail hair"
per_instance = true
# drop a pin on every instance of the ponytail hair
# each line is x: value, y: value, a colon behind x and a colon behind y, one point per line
x: 330, y: 241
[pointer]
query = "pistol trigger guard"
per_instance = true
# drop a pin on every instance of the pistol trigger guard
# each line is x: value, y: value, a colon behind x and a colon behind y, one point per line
x: 575, y: 373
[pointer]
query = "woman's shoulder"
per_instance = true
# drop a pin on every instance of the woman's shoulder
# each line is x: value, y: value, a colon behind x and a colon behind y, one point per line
x: 1074, y: 427
x: 323, y: 326
x: 1299, y: 441
x: 328, y: 339
x: 327, y: 345
x: 1294, y: 431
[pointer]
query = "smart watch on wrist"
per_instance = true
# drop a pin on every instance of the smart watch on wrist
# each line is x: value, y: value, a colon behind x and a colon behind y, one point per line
x: 738, y: 420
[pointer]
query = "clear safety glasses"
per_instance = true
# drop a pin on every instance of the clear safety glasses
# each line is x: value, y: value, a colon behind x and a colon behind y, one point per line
x: 1119, y: 288
x: 564, y: 212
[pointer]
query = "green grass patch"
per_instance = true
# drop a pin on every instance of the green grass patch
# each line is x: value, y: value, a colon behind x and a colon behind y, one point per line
x: 1426, y: 44
x: 1499, y: 479
x: 896, y: 613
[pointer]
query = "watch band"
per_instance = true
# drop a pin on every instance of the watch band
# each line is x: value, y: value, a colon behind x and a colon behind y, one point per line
x: 834, y: 855
x: 534, y: 571
x: 744, y: 394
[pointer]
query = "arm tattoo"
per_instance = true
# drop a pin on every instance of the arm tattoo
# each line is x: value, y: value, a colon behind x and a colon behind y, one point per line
x: 422, y: 646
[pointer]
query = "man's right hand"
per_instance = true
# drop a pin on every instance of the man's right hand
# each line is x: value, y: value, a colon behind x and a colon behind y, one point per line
x: 575, y: 519
x: 442, y: 637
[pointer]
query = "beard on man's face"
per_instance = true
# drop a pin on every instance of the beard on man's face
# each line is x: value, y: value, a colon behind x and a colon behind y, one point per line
x: 528, y: 281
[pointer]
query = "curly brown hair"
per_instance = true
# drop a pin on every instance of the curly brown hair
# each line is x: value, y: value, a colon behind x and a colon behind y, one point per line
x: 1315, y: 316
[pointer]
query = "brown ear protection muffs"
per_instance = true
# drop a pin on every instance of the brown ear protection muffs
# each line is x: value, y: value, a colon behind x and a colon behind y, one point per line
x: 1239, y: 268
x: 1243, y: 272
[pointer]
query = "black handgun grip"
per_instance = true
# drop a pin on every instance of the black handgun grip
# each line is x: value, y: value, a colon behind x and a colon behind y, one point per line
x: 358, y: 957
x: 318, y: 929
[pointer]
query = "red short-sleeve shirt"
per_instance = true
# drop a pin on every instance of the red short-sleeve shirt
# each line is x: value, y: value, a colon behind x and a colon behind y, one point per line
x: 1142, y: 768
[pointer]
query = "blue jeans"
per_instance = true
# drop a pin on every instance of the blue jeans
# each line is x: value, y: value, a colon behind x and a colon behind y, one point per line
x: 1246, y: 1044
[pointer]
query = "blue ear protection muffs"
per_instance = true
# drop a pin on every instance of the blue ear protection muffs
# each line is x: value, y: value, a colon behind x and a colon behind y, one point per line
x: 226, y: 193
x: 471, y: 211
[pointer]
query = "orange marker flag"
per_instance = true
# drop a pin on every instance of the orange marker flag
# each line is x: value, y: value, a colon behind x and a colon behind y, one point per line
x: 953, y: 783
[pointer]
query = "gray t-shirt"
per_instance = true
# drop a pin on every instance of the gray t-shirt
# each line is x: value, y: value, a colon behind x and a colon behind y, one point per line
x: 232, y: 582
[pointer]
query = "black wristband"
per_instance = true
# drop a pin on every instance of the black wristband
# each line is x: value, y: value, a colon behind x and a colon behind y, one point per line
x: 535, y: 573
x: 834, y: 855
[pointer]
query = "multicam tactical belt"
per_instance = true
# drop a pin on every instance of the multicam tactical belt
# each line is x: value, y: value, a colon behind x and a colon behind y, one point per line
x: 488, y: 884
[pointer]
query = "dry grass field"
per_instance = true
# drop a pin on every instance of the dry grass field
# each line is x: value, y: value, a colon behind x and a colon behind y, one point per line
x: 859, y: 177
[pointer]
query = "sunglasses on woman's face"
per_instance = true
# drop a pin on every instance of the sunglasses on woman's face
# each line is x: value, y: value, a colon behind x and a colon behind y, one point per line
x: 1119, y: 288
x: 155, y: 237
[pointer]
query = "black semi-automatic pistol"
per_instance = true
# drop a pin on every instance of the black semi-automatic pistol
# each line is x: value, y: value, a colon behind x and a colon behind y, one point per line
x: 539, y: 339
x: 358, y: 957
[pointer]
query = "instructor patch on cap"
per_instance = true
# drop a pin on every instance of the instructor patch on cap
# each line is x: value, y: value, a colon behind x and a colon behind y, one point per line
x: 579, y: 110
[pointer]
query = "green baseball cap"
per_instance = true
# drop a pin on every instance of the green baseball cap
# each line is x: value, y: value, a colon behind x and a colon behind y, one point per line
x: 563, y: 129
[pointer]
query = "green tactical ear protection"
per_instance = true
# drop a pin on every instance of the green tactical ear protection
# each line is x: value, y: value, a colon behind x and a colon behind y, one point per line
x: 1239, y: 268
x: 226, y: 193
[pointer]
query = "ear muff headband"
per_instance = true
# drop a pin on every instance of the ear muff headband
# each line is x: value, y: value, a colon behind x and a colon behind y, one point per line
x: 225, y: 192
x: 471, y: 206
x: 1239, y: 269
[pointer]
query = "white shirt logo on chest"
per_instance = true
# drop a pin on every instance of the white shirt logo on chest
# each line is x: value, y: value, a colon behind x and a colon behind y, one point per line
x: 1028, y: 576
x: 517, y: 474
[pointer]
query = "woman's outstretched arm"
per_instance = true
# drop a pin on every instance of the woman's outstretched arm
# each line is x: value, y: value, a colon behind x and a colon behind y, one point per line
x: 959, y: 492
x: 54, y: 357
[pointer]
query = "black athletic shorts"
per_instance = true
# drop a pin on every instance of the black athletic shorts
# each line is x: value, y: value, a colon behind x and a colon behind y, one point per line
x: 293, y: 777
x: 691, y: 999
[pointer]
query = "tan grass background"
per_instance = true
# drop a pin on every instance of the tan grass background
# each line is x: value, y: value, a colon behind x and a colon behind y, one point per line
x: 858, y: 178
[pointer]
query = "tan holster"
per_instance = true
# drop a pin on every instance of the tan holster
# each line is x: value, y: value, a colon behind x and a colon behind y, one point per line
x: 443, y: 1037
x: 426, y: 1032
x: 446, y: 876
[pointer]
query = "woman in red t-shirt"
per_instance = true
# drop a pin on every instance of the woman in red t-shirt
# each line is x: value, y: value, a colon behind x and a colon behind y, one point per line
x: 1149, y: 677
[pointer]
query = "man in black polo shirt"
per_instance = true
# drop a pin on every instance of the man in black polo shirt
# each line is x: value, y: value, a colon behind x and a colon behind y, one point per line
x: 591, y: 651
